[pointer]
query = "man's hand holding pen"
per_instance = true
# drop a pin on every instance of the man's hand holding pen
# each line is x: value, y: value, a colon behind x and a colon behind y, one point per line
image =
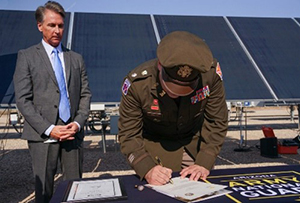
x: 161, y: 164
x: 159, y: 175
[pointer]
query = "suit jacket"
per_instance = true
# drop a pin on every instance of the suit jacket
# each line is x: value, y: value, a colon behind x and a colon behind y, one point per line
x: 37, y: 92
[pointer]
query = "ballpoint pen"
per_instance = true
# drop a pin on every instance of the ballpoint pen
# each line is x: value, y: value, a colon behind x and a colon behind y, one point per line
x: 160, y: 163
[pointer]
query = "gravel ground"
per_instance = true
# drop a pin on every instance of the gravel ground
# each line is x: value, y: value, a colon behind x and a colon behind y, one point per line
x: 17, y: 183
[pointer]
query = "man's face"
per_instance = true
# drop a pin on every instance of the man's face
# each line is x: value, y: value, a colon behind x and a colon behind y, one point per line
x: 52, y: 28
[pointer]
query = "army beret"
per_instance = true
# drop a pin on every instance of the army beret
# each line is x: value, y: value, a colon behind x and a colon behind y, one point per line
x: 182, y: 48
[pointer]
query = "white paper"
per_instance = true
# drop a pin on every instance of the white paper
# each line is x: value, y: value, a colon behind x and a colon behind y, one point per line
x: 190, y: 191
x: 95, y: 189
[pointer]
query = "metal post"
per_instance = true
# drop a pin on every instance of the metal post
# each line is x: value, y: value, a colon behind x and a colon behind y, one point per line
x: 242, y: 144
x: 292, y: 114
x: 241, y: 126
x: 104, y: 126
x: 298, y: 117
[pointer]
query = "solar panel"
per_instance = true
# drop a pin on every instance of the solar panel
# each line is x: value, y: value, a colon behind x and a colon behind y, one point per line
x: 112, y: 45
x: 274, y: 44
x: 15, y: 25
x: 18, y: 30
x: 240, y: 78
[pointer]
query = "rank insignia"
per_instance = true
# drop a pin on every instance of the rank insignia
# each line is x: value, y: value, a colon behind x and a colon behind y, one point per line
x: 145, y: 72
x: 162, y: 93
x: 126, y: 86
x: 219, y: 72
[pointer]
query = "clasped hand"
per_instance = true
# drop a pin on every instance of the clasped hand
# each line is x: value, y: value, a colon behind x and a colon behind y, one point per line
x: 64, y: 132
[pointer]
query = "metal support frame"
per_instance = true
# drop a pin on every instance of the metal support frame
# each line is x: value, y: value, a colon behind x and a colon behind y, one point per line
x: 298, y: 117
x: 104, y: 126
x: 292, y: 114
x: 243, y: 137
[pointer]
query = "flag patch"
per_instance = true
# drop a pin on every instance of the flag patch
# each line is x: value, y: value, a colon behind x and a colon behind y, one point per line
x: 126, y: 86
x: 219, y: 72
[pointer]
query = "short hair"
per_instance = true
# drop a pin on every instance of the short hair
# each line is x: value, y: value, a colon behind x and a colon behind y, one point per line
x: 50, y: 5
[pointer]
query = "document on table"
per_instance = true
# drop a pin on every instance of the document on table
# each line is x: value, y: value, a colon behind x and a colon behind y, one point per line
x: 103, y: 189
x: 190, y: 191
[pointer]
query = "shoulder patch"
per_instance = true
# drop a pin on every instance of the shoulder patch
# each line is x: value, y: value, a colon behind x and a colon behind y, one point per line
x: 126, y: 86
x: 218, y: 71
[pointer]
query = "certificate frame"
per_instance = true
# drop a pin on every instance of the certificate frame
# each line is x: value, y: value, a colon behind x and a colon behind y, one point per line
x: 89, y: 184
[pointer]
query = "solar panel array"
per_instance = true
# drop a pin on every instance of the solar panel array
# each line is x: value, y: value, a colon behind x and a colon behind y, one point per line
x: 112, y: 45
x: 234, y: 62
x: 274, y: 44
x: 259, y: 57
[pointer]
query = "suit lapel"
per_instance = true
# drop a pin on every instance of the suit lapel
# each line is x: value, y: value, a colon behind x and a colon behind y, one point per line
x: 43, y: 55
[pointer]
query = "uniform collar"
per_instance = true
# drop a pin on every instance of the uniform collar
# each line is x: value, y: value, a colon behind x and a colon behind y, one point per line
x: 155, y: 85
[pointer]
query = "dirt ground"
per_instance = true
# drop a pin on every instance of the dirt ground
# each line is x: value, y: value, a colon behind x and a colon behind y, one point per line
x: 241, y: 149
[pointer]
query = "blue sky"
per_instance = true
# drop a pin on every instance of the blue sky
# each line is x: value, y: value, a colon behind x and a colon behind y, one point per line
x: 245, y: 8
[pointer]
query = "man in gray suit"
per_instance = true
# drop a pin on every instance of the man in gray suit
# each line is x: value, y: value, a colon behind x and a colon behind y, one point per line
x: 55, y: 107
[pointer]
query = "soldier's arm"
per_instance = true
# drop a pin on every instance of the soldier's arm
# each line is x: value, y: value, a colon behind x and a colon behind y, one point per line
x: 215, y: 123
x: 130, y: 130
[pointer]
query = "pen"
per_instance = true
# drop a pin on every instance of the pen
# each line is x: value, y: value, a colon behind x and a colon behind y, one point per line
x: 160, y: 163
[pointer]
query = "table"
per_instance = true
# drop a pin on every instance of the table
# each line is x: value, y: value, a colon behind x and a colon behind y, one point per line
x: 276, y: 184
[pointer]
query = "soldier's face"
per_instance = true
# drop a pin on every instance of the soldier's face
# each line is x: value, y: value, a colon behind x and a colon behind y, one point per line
x: 52, y: 27
x: 165, y: 88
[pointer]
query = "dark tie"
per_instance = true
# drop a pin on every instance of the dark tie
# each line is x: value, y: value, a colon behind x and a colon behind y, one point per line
x: 64, y: 106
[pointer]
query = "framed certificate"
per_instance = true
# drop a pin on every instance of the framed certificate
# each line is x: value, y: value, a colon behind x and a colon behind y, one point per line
x: 95, y: 190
